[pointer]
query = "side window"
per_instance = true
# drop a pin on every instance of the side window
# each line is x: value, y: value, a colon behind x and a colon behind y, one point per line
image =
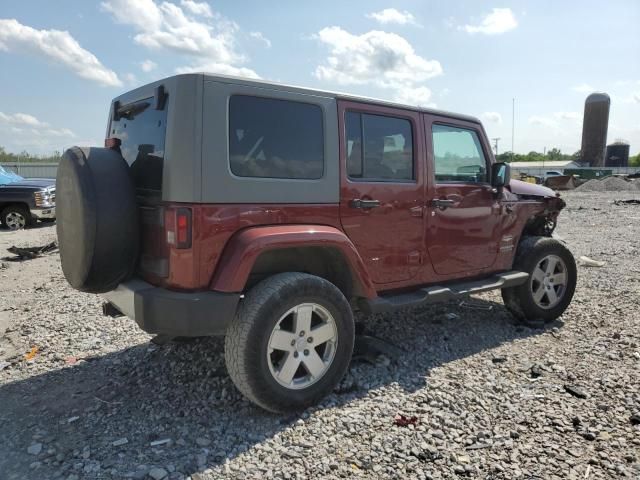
x: 458, y: 155
x: 378, y: 147
x: 272, y: 138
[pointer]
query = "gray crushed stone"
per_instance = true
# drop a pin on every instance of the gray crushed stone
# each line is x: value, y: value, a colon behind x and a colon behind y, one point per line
x: 99, y: 398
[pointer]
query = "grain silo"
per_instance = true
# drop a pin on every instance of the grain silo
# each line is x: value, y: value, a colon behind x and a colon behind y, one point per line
x: 594, y: 128
x: 617, y: 155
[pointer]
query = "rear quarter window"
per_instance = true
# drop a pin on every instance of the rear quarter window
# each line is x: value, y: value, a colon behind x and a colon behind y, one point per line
x: 271, y: 138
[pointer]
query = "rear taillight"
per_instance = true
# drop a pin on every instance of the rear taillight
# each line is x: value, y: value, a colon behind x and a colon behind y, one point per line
x: 183, y: 228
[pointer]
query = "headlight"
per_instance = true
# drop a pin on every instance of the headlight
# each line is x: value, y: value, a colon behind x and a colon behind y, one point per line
x: 43, y: 198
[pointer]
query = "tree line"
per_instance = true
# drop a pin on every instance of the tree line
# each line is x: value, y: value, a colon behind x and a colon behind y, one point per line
x: 552, y: 155
x: 26, y: 157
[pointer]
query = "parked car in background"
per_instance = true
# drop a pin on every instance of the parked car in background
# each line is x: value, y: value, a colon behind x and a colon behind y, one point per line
x: 23, y: 201
x: 551, y: 173
x: 270, y: 214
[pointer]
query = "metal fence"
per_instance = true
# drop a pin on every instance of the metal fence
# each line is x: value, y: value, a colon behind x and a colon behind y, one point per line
x: 539, y: 171
x: 33, y: 170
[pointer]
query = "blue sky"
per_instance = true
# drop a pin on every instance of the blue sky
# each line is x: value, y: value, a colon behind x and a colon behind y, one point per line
x: 62, y: 62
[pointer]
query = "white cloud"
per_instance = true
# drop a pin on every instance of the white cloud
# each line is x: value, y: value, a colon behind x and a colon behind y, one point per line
x: 221, y: 68
x: 162, y: 26
x: 419, y: 96
x: 636, y: 97
x: 568, y: 115
x: 542, y: 121
x: 197, y: 8
x: 148, y: 65
x: 60, y: 132
x: 58, y: 47
x: 583, y: 88
x: 259, y: 36
x: 23, y: 119
x: 380, y: 58
x: 142, y: 14
x: 500, y: 20
x: 391, y: 15
x: 493, y: 117
x: 20, y: 131
x: 130, y: 79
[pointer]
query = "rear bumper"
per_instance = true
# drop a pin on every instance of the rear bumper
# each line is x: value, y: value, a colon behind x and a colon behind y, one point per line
x: 161, y: 311
x: 45, y: 213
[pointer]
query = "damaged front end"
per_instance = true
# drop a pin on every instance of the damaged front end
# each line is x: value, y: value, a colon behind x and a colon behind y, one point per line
x: 544, y: 220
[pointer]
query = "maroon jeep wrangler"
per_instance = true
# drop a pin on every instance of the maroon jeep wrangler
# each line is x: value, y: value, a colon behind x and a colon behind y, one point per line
x: 270, y: 214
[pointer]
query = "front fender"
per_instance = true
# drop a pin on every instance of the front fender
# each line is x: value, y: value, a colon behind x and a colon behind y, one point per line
x: 243, y: 249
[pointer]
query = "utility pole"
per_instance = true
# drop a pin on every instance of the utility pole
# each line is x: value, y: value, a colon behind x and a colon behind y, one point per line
x: 513, y: 125
x: 496, y: 144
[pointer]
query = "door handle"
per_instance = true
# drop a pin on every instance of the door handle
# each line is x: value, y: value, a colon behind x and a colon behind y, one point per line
x: 364, y: 204
x: 442, y: 204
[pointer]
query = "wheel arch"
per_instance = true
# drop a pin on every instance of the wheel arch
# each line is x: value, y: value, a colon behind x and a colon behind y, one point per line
x: 257, y: 252
x: 24, y: 205
x: 4, y: 205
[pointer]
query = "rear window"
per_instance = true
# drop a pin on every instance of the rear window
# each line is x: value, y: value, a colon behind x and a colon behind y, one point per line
x: 141, y: 129
x: 272, y: 138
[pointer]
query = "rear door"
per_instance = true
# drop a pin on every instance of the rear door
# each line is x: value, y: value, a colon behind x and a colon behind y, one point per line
x: 382, y: 188
x: 463, y: 225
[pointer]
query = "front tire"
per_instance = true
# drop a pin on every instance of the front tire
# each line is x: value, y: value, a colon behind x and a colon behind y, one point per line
x: 551, y: 284
x: 16, y: 217
x: 291, y: 341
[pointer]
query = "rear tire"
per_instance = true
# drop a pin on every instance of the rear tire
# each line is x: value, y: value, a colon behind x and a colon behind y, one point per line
x: 16, y: 217
x: 270, y: 349
x: 551, y: 284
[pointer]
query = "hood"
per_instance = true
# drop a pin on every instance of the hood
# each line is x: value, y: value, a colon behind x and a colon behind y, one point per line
x: 524, y: 188
x: 31, y: 183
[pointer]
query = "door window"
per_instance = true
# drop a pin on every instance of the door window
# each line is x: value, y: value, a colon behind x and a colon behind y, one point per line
x: 273, y: 138
x: 378, y: 147
x: 458, y: 155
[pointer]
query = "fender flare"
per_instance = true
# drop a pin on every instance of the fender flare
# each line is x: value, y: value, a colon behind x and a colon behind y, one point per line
x: 243, y: 249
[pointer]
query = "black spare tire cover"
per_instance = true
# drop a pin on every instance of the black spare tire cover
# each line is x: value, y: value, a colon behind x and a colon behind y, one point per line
x: 97, y: 219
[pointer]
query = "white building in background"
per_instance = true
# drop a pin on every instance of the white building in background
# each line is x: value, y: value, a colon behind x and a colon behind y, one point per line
x: 553, y: 164
x: 541, y: 168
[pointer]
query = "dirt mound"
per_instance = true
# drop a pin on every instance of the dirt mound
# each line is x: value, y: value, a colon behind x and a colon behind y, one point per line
x: 609, y: 184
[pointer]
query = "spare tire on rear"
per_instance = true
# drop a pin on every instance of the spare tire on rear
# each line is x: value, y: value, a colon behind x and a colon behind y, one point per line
x: 97, y: 219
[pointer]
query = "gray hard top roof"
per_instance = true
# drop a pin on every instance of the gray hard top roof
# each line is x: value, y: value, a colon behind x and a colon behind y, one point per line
x: 311, y: 91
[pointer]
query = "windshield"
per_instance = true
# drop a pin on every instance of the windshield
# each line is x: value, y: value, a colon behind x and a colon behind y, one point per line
x: 7, y: 176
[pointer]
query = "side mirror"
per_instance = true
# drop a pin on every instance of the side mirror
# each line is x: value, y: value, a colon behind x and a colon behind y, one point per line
x: 500, y: 175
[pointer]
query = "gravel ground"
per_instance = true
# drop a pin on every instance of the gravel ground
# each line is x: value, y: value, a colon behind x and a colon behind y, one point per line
x: 490, y: 398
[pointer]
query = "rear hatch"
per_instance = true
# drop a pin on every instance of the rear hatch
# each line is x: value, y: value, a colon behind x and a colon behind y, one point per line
x: 138, y: 129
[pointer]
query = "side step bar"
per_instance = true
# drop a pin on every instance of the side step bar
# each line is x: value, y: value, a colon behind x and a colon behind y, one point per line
x: 436, y: 294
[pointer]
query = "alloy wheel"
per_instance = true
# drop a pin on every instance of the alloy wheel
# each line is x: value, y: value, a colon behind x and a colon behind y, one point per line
x: 302, y: 346
x: 15, y: 221
x: 549, y: 281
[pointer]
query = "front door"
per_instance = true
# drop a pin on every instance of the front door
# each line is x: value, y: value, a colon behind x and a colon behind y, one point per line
x: 463, y: 221
x: 382, y: 188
